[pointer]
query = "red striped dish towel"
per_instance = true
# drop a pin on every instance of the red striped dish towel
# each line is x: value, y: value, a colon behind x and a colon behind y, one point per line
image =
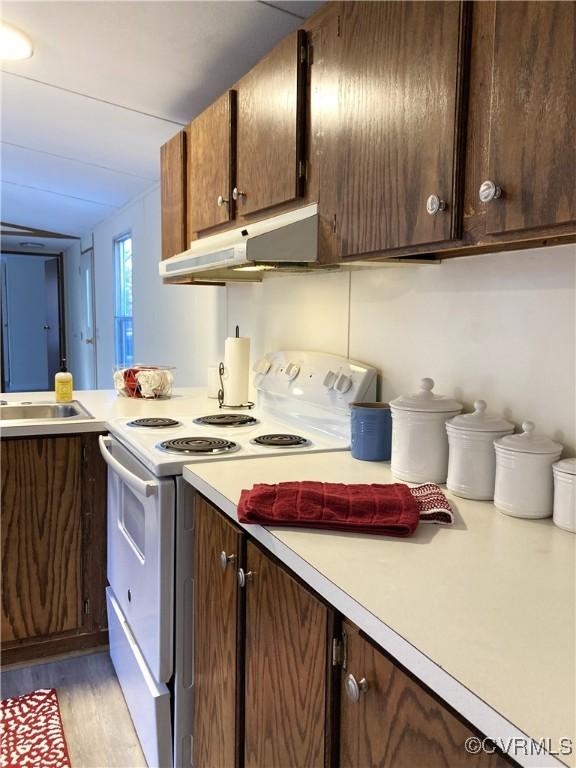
x: 433, y: 506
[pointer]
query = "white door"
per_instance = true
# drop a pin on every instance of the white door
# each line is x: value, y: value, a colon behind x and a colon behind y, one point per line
x: 86, y: 368
x: 26, y: 307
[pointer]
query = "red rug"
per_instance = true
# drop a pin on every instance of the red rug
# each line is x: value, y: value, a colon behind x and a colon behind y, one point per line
x: 31, y: 732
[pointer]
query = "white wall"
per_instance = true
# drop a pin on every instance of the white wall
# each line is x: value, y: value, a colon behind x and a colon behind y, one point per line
x: 73, y: 311
x: 499, y: 327
x: 173, y: 325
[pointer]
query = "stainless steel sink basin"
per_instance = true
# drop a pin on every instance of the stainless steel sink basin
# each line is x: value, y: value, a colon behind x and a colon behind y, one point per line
x: 44, y: 411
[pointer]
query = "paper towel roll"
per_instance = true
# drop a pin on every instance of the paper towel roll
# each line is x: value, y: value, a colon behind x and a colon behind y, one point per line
x: 236, y: 370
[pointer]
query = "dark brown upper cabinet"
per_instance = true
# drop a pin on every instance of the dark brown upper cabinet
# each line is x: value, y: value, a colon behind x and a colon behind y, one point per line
x: 211, y: 165
x: 391, y: 167
x: 271, y: 128
x: 387, y: 720
x: 173, y: 195
x: 531, y: 180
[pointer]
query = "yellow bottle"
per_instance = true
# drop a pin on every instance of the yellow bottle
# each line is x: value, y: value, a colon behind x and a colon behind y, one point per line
x: 63, y: 385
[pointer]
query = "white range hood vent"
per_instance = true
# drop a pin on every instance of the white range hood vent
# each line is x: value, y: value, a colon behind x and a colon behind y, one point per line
x: 284, y: 241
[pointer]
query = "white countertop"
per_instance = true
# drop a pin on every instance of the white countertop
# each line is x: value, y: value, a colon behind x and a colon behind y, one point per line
x: 103, y: 405
x: 483, y: 612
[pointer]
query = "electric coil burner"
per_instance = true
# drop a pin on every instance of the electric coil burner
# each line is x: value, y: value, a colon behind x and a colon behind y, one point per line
x: 198, y: 445
x: 154, y: 423
x: 227, y: 420
x: 280, y: 441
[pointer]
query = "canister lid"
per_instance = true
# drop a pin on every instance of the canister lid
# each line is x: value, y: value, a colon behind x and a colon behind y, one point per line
x: 479, y: 421
x: 566, y: 466
x: 528, y: 442
x: 426, y: 400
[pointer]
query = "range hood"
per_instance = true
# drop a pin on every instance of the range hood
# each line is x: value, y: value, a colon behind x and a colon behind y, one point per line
x: 286, y: 241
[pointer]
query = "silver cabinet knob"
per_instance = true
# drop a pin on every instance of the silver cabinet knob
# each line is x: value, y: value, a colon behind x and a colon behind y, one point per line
x: 222, y: 201
x: 244, y: 576
x: 489, y: 191
x: 355, y: 687
x: 236, y: 193
x: 434, y: 205
x: 225, y: 559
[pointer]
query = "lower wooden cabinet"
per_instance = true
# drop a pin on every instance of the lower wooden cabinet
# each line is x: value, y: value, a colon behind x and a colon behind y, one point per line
x: 277, y: 683
x: 286, y: 663
x: 53, y: 545
x: 217, y: 723
x: 387, y: 720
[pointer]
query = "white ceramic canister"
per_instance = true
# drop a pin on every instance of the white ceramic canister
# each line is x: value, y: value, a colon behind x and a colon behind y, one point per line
x: 471, y: 457
x: 565, y: 494
x: 524, y: 473
x: 419, y: 440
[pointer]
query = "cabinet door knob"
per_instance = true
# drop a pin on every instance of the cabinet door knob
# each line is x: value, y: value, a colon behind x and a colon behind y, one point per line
x: 236, y: 193
x: 225, y: 559
x: 244, y: 576
x: 355, y: 687
x: 434, y: 204
x: 222, y: 201
x: 489, y: 191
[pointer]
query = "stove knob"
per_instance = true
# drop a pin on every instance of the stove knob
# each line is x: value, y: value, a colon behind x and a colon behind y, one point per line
x: 262, y: 366
x: 343, y: 384
x: 291, y: 371
x: 329, y: 379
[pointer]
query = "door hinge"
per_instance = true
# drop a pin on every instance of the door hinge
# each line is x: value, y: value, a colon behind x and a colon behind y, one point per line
x: 334, y: 227
x: 301, y: 169
x: 339, y: 27
x: 86, y: 607
x: 303, y: 54
x: 84, y: 454
x: 339, y: 648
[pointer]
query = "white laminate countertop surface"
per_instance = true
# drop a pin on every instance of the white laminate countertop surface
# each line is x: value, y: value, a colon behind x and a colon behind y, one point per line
x: 103, y: 405
x: 483, y: 612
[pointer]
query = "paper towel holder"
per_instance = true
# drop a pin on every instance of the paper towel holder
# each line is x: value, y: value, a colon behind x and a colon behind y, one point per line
x: 221, y: 404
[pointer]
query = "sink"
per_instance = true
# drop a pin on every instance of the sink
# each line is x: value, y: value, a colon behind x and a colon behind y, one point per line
x: 44, y: 411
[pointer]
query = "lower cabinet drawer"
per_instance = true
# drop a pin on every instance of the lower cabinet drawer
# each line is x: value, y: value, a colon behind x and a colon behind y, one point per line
x: 147, y: 700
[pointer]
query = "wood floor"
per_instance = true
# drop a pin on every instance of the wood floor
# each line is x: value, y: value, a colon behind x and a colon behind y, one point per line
x: 97, y: 724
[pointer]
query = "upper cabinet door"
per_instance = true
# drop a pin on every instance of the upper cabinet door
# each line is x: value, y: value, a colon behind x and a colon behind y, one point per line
x: 532, y: 133
x: 173, y: 195
x: 271, y: 128
x: 211, y: 164
x: 391, y: 169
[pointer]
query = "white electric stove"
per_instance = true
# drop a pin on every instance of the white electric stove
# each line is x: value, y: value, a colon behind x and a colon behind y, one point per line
x: 302, y: 406
x: 303, y: 401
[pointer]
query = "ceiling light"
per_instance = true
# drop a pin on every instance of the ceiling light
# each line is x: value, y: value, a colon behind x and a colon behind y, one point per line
x: 32, y: 245
x: 14, y: 45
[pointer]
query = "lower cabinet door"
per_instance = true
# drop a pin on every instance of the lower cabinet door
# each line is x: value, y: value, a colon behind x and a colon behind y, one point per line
x: 216, y: 724
x: 286, y: 662
x: 148, y: 701
x: 387, y: 720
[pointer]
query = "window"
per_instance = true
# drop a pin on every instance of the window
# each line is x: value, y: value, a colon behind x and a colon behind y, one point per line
x: 123, y: 339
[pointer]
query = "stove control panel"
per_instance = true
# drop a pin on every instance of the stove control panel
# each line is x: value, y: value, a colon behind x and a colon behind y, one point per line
x: 317, y: 378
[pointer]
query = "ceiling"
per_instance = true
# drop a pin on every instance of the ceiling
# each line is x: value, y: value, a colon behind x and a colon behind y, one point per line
x: 109, y: 82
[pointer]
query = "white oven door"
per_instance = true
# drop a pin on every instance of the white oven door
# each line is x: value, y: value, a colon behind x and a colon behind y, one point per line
x: 141, y: 553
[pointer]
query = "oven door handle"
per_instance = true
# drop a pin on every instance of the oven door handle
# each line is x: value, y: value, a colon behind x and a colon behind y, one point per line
x: 141, y: 487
